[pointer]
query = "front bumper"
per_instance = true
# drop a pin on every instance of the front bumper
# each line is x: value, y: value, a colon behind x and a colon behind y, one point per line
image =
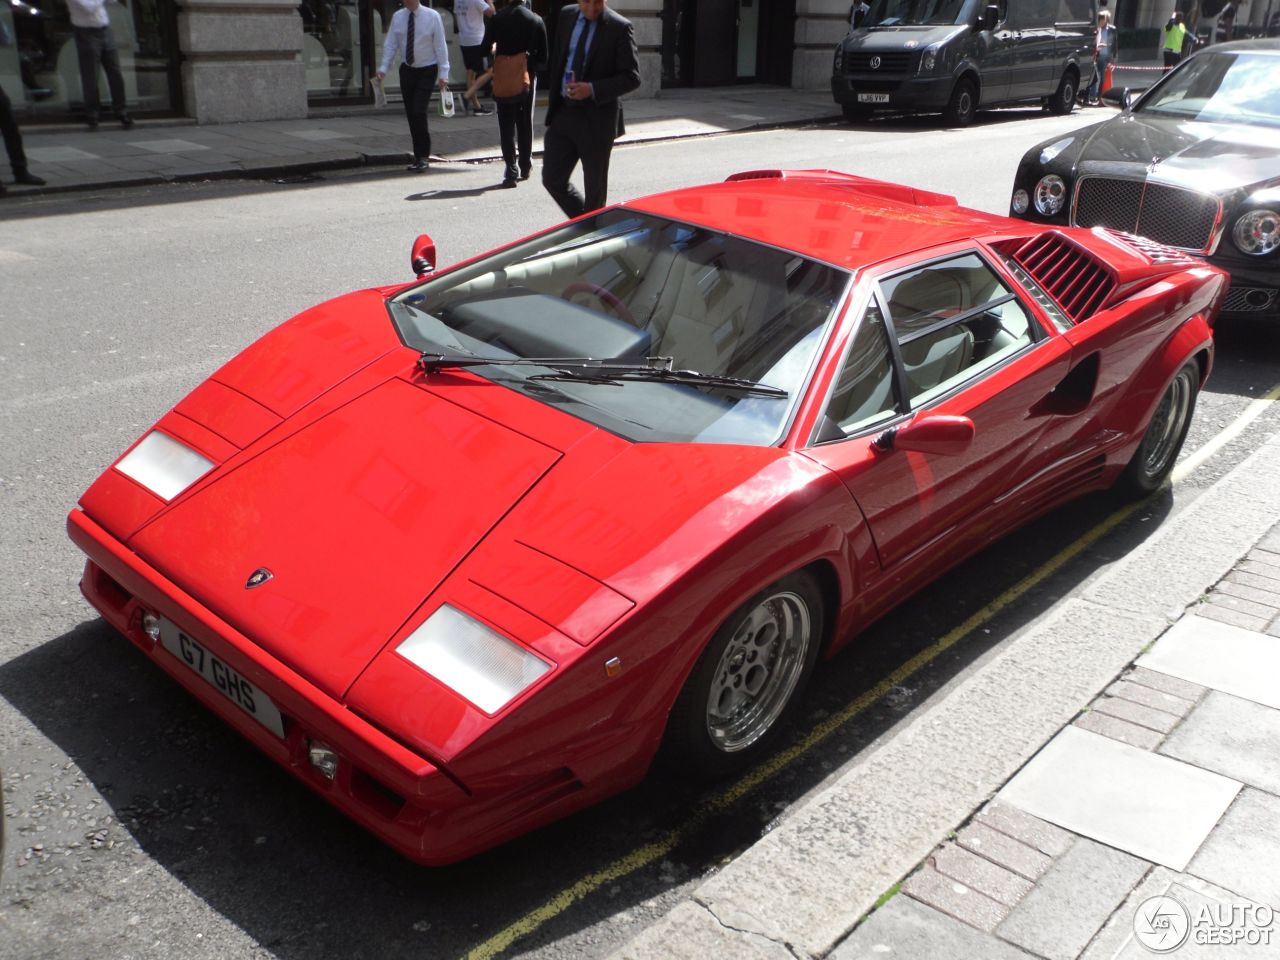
x: 409, y: 802
x: 1255, y: 289
x: 904, y: 93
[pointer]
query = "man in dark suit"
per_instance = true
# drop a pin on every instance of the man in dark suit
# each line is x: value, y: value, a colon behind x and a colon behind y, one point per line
x: 594, y: 63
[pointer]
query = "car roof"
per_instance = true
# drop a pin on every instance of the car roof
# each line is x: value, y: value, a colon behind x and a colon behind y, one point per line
x: 1263, y: 45
x: 840, y: 218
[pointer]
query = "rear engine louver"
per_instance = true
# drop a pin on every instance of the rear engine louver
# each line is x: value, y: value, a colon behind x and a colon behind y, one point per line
x: 1078, y: 281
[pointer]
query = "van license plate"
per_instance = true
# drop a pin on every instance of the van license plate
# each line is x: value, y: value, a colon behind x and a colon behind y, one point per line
x: 873, y: 98
x: 217, y: 674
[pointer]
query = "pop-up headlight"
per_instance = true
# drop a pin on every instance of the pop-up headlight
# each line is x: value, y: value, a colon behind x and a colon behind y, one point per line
x: 163, y: 465
x: 465, y: 655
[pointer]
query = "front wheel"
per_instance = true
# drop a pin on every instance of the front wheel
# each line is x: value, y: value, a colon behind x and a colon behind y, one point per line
x: 1153, y: 460
x: 1064, y: 101
x: 748, y: 679
x: 963, y: 105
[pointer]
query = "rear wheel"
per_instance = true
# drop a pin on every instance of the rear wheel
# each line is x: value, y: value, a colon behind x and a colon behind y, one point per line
x: 963, y: 104
x: 1064, y: 101
x: 1154, y: 459
x: 748, y: 680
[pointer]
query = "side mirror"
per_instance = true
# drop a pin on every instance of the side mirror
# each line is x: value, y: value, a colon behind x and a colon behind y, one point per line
x: 422, y: 256
x: 990, y: 17
x: 939, y: 434
x: 1122, y: 97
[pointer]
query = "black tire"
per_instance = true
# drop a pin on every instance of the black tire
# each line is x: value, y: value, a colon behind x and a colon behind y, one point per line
x: 856, y: 112
x: 719, y: 725
x: 1153, y: 461
x: 1064, y: 101
x: 963, y: 105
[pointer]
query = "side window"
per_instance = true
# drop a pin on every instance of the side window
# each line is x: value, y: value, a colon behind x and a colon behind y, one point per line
x: 952, y: 320
x: 864, y: 392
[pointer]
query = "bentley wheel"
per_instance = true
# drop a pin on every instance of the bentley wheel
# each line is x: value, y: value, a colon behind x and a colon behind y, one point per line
x: 1064, y: 101
x: 1154, y: 459
x: 963, y: 104
x: 748, y: 679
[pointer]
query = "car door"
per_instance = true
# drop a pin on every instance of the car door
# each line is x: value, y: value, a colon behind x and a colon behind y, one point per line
x: 1035, y: 58
x: 948, y: 338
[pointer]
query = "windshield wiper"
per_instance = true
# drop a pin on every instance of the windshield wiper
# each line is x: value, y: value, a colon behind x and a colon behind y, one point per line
x: 590, y: 370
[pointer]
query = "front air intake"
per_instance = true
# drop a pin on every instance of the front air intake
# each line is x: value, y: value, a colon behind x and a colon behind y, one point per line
x: 1078, y: 281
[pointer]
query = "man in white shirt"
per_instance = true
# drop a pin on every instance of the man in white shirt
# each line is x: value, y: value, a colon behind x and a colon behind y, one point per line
x: 91, y: 25
x: 416, y: 36
x: 471, y: 15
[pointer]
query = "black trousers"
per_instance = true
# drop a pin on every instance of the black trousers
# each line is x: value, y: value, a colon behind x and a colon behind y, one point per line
x: 95, y: 45
x: 1171, y: 58
x: 579, y: 133
x: 12, y: 138
x: 416, y: 85
x: 515, y: 130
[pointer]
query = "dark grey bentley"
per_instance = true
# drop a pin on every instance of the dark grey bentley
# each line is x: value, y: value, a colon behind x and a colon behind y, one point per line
x: 1194, y: 163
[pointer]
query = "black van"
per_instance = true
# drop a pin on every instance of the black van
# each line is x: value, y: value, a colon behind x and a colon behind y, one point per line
x: 957, y: 55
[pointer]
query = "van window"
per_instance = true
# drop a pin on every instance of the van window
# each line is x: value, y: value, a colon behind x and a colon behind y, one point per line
x: 1030, y: 14
x: 1076, y: 11
x: 898, y: 13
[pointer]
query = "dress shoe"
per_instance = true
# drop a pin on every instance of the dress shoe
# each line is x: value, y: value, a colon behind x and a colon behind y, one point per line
x: 29, y: 179
x: 418, y: 166
x: 524, y: 172
x: 508, y: 183
x: 126, y: 121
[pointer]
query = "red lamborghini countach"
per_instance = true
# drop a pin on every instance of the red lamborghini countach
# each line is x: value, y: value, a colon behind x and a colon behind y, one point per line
x: 465, y: 553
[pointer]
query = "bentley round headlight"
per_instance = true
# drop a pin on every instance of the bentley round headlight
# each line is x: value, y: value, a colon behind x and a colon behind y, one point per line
x: 1257, y: 233
x: 1020, y: 201
x: 1051, y: 195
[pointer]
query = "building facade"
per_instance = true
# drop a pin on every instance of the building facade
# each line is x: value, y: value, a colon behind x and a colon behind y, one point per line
x: 220, y: 61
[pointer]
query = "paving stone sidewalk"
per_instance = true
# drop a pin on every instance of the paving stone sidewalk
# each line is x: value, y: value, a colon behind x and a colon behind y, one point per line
x: 1167, y: 785
x: 70, y: 157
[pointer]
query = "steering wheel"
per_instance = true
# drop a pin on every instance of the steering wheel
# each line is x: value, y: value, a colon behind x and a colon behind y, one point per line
x: 601, y: 294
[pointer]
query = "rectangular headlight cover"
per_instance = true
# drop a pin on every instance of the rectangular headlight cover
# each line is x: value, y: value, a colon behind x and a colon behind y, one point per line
x: 466, y: 656
x: 163, y: 465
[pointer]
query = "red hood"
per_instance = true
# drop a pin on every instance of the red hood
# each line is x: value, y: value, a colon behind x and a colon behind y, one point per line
x: 359, y: 517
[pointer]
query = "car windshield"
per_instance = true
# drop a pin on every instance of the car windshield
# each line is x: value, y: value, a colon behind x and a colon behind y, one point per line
x: 1221, y: 87
x: 623, y: 287
x: 906, y: 13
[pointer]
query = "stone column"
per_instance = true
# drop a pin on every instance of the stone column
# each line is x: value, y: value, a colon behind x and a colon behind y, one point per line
x: 820, y: 25
x: 644, y: 17
x: 242, y: 60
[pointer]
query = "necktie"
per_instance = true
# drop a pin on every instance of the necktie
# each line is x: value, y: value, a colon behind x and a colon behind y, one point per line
x: 408, y: 41
x: 580, y: 54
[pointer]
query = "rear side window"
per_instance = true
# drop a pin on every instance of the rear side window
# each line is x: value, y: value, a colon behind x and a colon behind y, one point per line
x: 953, y: 319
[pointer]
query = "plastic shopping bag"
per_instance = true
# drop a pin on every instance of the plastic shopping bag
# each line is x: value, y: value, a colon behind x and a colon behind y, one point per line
x: 379, y: 92
x: 446, y: 103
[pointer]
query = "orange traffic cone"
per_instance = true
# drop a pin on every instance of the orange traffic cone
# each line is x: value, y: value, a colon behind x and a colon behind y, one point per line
x: 1106, y: 79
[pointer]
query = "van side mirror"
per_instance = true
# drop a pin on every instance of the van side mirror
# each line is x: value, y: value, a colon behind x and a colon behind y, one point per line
x: 990, y: 17
x: 422, y: 256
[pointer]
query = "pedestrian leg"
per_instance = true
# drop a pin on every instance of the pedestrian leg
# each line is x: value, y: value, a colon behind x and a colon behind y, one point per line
x: 115, y: 77
x: 87, y: 53
x: 524, y: 130
x: 559, y: 157
x: 508, y: 118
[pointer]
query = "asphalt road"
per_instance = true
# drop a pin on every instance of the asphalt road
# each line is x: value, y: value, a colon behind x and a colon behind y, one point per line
x: 137, y: 825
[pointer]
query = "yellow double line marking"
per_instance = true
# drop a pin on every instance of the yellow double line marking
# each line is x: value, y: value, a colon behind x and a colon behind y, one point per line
x: 657, y: 849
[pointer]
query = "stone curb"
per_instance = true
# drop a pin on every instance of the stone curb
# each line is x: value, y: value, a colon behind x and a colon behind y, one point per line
x: 806, y: 884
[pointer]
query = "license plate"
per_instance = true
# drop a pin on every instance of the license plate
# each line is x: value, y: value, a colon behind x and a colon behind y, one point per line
x: 226, y: 680
x: 873, y: 98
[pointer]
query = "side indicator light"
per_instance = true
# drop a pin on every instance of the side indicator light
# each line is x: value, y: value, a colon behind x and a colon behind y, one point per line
x: 612, y: 667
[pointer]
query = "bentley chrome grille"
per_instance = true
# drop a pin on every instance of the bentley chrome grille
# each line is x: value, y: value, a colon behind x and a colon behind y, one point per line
x: 1169, y: 215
